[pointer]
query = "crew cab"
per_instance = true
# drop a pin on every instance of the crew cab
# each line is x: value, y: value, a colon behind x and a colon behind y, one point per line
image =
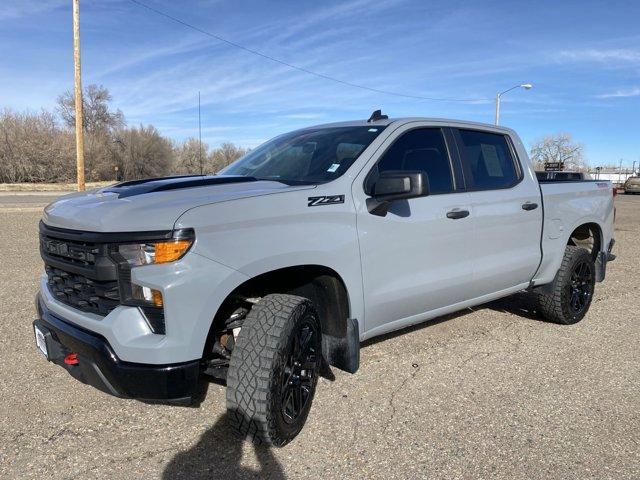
x: 263, y: 276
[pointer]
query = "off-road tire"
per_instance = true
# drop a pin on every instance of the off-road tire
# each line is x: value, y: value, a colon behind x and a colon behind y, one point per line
x: 260, y: 355
x: 556, y: 304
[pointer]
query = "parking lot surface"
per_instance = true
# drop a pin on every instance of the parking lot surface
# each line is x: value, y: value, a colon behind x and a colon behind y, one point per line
x: 492, y: 392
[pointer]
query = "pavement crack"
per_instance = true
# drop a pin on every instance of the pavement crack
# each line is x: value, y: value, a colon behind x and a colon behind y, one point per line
x: 392, y: 398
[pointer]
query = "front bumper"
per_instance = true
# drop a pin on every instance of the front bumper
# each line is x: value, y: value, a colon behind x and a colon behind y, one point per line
x: 100, y: 367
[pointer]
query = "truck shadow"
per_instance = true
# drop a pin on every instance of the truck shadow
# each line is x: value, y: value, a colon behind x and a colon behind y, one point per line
x: 520, y: 304
x: 218, y: 454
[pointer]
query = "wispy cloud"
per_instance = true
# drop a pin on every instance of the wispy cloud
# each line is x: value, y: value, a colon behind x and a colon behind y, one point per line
x: 302, y: 116
x: 149, y: 53
x: 12, y: 9
x: 617, y: 55
x: 622, y: 93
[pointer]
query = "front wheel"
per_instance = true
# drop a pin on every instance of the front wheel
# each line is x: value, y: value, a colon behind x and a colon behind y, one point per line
x: 571, y: 292
x: 274, y: 368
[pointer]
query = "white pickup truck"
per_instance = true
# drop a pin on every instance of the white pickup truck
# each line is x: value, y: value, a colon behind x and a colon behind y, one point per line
x: 262, y: 276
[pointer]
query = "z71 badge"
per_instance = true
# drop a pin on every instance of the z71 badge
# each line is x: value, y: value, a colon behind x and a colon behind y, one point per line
x: 325, y: 200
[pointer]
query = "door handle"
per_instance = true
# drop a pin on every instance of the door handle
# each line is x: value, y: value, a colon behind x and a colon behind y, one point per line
x: 529, y: 206
x: 456, y: 214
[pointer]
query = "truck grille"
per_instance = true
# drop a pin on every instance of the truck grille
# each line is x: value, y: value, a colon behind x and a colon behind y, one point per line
x: 79, y: 253
x: 85, y: 271
x: 83, y: 293
x: 80, y: 272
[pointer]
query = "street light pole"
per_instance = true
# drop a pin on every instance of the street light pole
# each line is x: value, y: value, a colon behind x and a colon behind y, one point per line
x: 526, y: 86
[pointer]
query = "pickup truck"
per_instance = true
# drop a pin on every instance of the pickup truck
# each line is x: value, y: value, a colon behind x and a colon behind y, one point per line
x: 263, y: 276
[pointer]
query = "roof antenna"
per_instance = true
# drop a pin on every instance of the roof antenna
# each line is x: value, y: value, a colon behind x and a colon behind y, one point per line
x: 377, y: 115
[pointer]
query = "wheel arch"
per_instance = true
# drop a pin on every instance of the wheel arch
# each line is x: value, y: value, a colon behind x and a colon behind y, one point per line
x: 325, y: 287
x: 587, y: 235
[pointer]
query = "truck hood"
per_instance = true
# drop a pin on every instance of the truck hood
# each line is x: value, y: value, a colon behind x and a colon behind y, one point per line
x: 154, y: 204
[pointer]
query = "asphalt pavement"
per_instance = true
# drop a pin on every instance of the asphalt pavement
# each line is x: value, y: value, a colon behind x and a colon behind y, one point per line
x: 492, y: 392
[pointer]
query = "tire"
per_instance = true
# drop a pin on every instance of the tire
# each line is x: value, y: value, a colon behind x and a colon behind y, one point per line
x: 269, y: 395
x: 572, y: 289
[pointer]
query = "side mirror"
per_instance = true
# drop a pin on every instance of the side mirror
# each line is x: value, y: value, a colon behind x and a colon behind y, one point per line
x: 396, y: 185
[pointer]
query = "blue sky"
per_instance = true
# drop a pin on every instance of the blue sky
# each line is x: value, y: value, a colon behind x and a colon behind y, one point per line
x: 583, y: 58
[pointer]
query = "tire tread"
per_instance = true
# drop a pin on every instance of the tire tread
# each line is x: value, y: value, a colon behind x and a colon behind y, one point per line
x: 261, y: 339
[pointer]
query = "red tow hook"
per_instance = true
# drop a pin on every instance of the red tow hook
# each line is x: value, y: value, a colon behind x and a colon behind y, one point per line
x: 71, y: 359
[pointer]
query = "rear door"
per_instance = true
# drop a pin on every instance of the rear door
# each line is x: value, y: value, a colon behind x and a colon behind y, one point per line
x: 507, y: 211
x: 415, y: 259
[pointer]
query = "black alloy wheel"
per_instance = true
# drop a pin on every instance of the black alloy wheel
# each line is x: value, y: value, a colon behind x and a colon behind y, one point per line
x: 299, y: 372
x: 581, y: 286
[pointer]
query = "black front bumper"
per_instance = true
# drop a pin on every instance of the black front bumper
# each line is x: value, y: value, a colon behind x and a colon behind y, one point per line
x: 99, y: 366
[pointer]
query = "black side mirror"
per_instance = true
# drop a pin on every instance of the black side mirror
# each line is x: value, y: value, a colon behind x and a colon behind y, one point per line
x: 396, y: 185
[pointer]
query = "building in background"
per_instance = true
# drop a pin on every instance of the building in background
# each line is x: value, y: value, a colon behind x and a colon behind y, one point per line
x: 615, y: 175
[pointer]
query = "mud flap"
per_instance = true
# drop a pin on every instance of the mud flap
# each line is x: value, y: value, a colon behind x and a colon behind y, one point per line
x: 343, y: 352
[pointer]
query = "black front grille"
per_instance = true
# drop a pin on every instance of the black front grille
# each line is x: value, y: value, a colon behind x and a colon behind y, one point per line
x: 75, y: 252
x: 86, y: 271
x: 83, y: 293
x: 80, y: 270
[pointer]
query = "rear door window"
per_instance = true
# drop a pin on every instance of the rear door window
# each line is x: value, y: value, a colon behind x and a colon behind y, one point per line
x: 487, y: 160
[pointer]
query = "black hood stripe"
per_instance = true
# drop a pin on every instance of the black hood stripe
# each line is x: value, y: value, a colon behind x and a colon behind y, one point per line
x: 152, y: 185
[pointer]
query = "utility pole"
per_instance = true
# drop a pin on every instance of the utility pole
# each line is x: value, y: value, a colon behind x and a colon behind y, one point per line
x: 78, y: 96
x: 199, y: 137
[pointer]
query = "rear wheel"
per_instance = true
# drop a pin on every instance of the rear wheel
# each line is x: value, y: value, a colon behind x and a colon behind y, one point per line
x: 273, y: 370
x: 572, y: 289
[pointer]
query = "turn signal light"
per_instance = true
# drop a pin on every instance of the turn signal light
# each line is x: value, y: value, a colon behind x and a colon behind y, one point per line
x: 171, y: 251
x: 156, y: 298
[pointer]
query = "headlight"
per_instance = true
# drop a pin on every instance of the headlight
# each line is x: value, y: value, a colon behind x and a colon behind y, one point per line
x: 130, y: 255
x: 137, y: 254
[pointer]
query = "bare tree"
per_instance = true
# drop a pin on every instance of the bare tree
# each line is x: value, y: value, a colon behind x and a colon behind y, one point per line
x: 33, y: 148
x: 97, y: 116
x: 190, y: 158
x: 224, y: 155
x: 142, y: 153
x: 99, y: 123
x: 560, y: 148
x: 38, y: 147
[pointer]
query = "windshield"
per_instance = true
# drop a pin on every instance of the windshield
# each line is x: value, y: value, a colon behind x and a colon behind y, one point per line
x: 315, y: 155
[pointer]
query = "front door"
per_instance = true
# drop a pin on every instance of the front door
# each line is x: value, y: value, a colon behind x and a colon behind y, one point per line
x: 417, y: 258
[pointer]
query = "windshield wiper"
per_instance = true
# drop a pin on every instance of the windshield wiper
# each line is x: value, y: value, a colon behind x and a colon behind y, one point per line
x: 286, y: 181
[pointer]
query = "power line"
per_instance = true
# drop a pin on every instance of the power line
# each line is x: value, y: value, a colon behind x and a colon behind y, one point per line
x: 296, y: 67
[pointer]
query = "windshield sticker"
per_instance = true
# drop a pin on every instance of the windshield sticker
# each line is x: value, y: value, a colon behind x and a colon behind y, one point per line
x: 333, y: 167
x: 491, y: 160
x: 373, y: 130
